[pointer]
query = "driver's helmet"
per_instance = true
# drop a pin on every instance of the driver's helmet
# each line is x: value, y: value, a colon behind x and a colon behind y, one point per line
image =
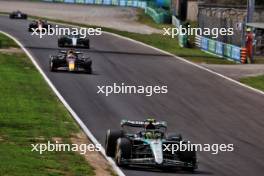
x: 152, y: 134
x: 150, y: 125
x: 39, y: 21
x: 71, y: 52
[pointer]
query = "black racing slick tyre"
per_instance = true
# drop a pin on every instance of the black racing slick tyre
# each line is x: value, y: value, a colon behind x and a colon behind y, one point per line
x: 89, y: 71
x: 61, y: 43
x: 88, y: 66
x: 189, y: 157
x: 51, y: 65
x: 123, y: 151
x: 87, y: 44
x: 111, y: 140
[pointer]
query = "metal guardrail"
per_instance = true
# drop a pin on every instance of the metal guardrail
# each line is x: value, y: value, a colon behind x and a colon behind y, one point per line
x: 221, y: 49
x: 125, y: 3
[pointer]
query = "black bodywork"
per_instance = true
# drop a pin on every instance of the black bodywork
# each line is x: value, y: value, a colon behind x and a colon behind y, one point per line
x: 38, y: 24
x: 17, y: 15
x: 75, y: 41
x: 73, y: 63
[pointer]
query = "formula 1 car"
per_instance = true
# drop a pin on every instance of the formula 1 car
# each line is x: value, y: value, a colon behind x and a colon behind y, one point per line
x: 72, y: 61
x: 146, y: 147
x: 17, y: 15
x: 73, y: 41
x: 39, y: 25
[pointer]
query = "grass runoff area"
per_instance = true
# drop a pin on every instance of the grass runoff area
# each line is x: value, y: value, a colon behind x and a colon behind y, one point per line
x: 29, y: 114
x: 255, y: 81
x: 157, y: 40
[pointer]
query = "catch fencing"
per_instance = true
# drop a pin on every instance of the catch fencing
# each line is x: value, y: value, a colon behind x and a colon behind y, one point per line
x: 223, y: 17
x: 124, y: 3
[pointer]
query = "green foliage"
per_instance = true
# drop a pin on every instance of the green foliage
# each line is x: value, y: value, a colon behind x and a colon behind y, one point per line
x: 256, y: 82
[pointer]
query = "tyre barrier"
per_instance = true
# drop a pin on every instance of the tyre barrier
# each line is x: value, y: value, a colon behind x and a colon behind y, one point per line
x: 243, y: 54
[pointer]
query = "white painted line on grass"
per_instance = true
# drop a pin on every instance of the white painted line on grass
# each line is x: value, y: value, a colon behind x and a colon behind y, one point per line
x: 74, y: 115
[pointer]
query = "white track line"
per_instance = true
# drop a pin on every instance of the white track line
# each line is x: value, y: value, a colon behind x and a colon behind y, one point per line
x: 86, y: 130
x: 74, y: 115
x: 189, y: 62
x: 176, y: 57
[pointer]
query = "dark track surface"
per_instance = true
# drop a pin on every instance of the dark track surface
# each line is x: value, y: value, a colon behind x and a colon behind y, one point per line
x: 203, y: 107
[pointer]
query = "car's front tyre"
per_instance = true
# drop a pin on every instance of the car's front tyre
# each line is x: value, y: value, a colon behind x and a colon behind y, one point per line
x: 61, y: 43
x: 189, y: 157
x: 24, y: 16
x: 123, y: 151
x: 51, y: 65
x: 111, y: 141
x: 87, y: 44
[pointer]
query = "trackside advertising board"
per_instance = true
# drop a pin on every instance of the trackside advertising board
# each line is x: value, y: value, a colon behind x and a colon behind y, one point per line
x: 125, y: 3
x: 219, y: 48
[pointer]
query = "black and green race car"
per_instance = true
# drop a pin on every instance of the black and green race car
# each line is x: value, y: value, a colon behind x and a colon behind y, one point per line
x: 18, y: 15
x: 148, y: 144
x: 75, y: 41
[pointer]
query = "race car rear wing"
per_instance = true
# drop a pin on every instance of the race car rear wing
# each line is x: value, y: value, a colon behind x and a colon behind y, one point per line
x: 65, y: 52
x: 142, y: 124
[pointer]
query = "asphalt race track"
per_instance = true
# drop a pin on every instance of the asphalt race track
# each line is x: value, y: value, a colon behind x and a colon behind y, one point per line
x: 203, y: 107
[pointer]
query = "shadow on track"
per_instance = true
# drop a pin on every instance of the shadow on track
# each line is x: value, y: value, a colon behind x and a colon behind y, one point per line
x: 97, y: 51
x: 62, y: 71
x: 168, y: 171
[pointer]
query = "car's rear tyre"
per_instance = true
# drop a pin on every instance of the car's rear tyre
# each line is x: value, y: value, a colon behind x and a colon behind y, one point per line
x: 89, y: 71
x: 87, y: 44
x: 60, y: 44
x: 30, y: 29
x: 52, y: 67
x: 174, y: 137
x: 111, y: 140
x: 123, y: 151
x: 189, y: 157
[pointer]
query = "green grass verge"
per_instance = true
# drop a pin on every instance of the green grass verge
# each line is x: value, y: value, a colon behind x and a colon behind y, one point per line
x: 256, y: 82
x: 165, y: 43
x: 7, y: 42
x: 30, y: 113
